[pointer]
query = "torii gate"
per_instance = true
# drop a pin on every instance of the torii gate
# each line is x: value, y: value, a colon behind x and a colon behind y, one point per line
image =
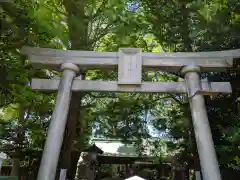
x: 130, y: 62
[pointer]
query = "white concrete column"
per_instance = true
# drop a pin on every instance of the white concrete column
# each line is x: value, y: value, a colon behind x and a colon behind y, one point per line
x: 58, y: 122
x: 207, y: 154
x: 198, y: 175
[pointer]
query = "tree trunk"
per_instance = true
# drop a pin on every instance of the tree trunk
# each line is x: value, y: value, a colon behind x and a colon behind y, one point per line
x: 19, y: 140
x: 70, y: 134
x: 15, y: 166
x: 197, y: 167
x: 78, y: 37
x: 187, y: 171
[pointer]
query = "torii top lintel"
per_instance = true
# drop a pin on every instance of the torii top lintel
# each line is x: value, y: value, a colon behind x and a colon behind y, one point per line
x: 215, y: 61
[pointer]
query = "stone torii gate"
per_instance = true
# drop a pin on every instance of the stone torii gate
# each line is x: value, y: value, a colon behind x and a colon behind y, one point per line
x: 130, y: 62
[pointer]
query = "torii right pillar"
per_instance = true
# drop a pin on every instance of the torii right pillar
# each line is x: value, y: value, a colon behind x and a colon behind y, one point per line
x: 205, y: 145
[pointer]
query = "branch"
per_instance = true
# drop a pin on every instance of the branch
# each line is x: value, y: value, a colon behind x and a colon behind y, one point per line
x: 178, y: 101
x: 14, y: 45
x: 28, y: 111
x: 99, y: 11
x: 55, y: 10
x: 102, y: 32
x: 98, y: 22
x: 87, y: 106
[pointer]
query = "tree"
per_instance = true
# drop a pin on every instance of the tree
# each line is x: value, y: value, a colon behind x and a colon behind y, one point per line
x: 198, y: 26
x: 152, y: 25
x: 18, y: 102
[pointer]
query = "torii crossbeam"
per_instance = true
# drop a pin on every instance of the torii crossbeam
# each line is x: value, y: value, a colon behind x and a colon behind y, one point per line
x: 130, y: 63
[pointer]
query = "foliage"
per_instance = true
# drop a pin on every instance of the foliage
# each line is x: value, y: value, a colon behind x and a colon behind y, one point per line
x: 200, y: 26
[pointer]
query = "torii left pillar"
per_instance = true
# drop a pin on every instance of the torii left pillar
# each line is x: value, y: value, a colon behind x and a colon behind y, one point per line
x: 58, y: 122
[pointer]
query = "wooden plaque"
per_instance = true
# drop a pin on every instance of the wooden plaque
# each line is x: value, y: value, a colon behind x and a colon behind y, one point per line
x: 130, y: 66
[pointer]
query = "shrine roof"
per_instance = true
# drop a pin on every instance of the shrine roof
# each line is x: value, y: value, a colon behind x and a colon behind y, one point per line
x: 115, y: 147
x: 94, y: 148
